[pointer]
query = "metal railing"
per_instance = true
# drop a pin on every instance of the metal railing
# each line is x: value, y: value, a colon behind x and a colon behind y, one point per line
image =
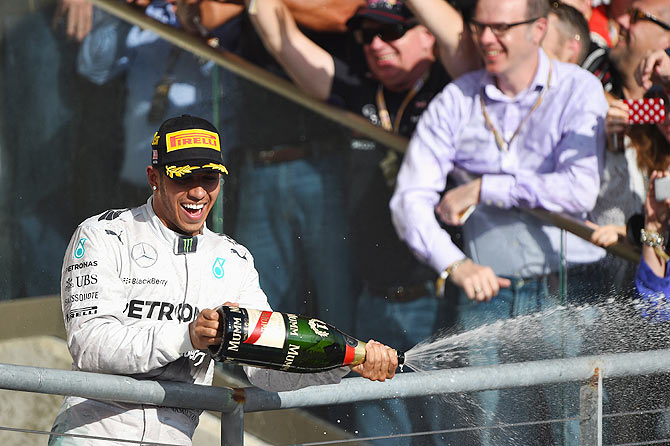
x: 233, y: 403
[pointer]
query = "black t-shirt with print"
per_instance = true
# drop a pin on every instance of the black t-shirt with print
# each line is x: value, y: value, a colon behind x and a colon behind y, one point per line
x: 382, y: 259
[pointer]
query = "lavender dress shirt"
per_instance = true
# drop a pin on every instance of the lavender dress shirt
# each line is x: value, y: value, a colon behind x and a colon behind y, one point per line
x: 552, y: 163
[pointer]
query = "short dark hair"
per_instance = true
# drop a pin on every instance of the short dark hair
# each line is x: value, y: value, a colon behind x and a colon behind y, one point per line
x: 537, y: 8
x: 534, y: 8
x: 572, y: 24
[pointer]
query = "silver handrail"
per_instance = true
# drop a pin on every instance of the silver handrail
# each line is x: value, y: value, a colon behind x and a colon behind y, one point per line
x: 234, y: 402
x: 350, y: 390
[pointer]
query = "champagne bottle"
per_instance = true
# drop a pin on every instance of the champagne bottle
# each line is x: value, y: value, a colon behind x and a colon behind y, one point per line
x: 284, y: 341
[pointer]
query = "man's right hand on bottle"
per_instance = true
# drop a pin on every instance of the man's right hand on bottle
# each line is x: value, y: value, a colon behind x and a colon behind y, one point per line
x: 479, y: 282
x: 380, y: 362
x: 204, y: 329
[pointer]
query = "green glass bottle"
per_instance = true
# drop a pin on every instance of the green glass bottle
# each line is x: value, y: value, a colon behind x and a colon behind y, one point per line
x: 284, y: 341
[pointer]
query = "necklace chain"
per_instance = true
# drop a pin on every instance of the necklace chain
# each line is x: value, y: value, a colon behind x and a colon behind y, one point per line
x: 500, y: 141
x: 384, y: 115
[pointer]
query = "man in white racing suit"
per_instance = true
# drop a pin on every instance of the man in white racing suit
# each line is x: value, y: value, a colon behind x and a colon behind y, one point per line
x: 139, y: 287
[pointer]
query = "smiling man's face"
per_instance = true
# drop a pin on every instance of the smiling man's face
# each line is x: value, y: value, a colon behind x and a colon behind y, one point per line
x: 511, y: 52
x: 641, y: 36
x: 183, y: 204
x: 392, y: 62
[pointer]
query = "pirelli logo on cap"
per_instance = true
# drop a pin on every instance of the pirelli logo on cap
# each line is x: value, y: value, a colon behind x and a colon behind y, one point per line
x: 186, y: 139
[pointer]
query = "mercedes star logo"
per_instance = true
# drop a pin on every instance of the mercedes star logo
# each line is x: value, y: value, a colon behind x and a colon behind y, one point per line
x: 144, y: 255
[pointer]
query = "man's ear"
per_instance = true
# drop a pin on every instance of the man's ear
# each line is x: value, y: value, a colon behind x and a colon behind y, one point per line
x: 539, y: 30
x: 427, y: 38
x: 575, y: 48
x: 153, y: 176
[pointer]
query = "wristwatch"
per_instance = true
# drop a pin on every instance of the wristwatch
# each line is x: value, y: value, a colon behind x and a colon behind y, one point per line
x: 656, y: 241
x: 441, y: 281
x: 651, y: 238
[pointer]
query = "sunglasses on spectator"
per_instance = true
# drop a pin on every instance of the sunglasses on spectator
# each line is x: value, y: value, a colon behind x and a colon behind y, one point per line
x: 637, y: 15
x: 498, y: 29
x: 388, y: 33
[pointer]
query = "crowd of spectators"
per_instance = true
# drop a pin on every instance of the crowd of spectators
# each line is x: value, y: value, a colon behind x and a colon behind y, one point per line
x: 502, y: 114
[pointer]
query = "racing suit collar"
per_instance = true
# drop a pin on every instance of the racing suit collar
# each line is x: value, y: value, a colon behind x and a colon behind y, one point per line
x: 176, y: 240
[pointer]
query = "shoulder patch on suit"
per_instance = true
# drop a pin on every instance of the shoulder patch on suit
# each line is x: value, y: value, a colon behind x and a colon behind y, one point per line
x: 228, y: 238
x: 111, y: 214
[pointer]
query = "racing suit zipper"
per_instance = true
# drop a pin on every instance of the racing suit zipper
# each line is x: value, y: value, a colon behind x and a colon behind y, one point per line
x: 183, y: 303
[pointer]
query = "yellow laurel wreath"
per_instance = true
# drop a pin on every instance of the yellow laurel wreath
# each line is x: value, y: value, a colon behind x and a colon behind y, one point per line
x: 220, y: 167
x: 173, y: 171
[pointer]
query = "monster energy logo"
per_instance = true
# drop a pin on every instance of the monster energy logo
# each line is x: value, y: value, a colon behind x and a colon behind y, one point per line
x: 186, y: 245
x: 80, y: 250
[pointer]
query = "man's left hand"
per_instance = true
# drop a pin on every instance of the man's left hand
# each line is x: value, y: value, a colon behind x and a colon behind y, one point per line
x: 380, y: 362
x: 204, y: 329
x: 456, y: 202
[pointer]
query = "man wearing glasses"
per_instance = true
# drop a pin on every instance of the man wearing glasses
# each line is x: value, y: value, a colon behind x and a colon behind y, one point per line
x: 645, y: 29
x: 390, y: 79
x: 528, y: 131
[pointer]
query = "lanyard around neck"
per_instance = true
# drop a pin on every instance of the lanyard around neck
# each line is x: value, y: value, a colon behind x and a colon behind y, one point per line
x: 383, y: 109
x: 500, y: 141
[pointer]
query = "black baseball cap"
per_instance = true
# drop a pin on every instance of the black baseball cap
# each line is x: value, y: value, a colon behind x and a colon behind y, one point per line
x: 185, y: 145
x: 384, y: 11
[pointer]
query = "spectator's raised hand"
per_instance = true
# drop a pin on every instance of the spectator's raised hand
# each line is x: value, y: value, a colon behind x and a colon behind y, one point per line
x: 458, y: 52
x: 78, y: 17
x: 380, y: 362
x: 654, y: 68
x: 656, y: 212
x: 656, y: 222
x: 479, y: 282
